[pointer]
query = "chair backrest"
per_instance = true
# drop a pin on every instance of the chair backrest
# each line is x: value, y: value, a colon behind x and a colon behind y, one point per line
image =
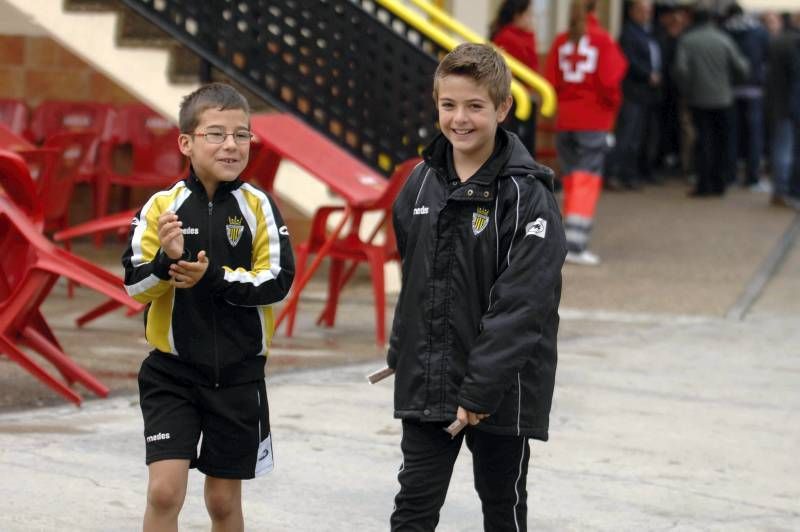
x: 14, y: 114
x: 16, y: 183
x: 55, y: 187
x: 396, y: 182
x: 52, y: 117
x: 42, y: 163
x: 153, y: 139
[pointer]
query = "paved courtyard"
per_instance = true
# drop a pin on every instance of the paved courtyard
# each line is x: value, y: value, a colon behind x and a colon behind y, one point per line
x: 670, y: 412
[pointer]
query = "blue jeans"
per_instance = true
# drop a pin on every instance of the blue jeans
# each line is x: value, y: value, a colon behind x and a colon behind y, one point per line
x: 785, y: 155
x: 748, y: 139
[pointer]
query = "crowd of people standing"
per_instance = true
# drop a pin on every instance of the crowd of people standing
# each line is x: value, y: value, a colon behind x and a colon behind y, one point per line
x: 711, y: 96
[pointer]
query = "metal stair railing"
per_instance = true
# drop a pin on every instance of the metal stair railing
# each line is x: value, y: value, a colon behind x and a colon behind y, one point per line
x: 344, y: 70
x: 520, y: 71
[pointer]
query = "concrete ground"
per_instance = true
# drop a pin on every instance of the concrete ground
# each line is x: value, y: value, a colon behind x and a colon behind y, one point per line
x: 668, y: 413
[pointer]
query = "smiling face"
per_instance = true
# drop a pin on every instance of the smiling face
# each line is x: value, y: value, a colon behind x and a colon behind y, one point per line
x: 468, y: 117
x: 216, y: 163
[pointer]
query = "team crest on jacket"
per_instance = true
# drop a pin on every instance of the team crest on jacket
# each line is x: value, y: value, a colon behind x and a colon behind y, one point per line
x: 234, y: 229
x: 480, y: 219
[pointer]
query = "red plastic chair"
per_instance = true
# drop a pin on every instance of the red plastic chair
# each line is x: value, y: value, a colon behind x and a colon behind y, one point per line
x: 53, y: 117
x: 20, y: 191
x: 55, y: 169
x: 21, y: 323
x: 14, y: 114
x: 29, y: 267
x: 353, y: 248
x: 156, y: 161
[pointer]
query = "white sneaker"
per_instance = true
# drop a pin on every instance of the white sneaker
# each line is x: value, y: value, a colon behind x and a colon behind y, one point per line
x: 763, y: 186
x: 584, y: 258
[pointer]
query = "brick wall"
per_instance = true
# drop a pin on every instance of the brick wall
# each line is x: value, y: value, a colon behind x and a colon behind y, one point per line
x: 37, y: 68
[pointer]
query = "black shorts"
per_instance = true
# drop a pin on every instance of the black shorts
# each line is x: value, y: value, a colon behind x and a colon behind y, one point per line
x: 233, y: 422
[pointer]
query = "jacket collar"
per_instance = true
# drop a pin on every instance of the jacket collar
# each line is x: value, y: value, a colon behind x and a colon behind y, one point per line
x: 440, y: 149
x: 224, y: 188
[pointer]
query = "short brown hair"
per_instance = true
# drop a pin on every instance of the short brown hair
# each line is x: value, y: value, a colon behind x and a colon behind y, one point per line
x: 219, y: 96
x: 482, y: 63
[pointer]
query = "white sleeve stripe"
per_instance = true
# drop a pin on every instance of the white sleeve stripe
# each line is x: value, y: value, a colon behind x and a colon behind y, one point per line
x: 516, y: 224
x: 170, y: 333
x: 248, y: 214
x: 424, y: 180
x: 263, y: 352
x: 273, y: 237
x: 137, y: 258
x: 142, y: 286
x: 497, y: 230
x: 241, y: 276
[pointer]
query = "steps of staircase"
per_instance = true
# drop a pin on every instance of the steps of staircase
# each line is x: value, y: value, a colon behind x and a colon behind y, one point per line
x: 183, y: 65
x: 135, y: 30
x: 92, y: 5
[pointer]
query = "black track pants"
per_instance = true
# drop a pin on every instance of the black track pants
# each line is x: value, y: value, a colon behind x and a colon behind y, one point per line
x: 500, y: 466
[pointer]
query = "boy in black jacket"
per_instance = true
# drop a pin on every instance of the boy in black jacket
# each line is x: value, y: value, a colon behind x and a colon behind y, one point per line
x: 474, y: 333
x: 210, y: 255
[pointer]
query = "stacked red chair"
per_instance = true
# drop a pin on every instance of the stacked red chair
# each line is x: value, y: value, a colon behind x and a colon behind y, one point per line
x: 53, y: 117
x: 29, y: 267
x: 14, y: 115
x: 156, y: 161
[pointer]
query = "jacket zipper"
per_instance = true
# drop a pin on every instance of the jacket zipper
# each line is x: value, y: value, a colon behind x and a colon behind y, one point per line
x: 213, y: 314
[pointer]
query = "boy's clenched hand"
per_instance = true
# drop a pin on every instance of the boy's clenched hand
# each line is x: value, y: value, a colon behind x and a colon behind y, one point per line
x: 186, y: 274
x: 170, y: 235
x: 465, y: 416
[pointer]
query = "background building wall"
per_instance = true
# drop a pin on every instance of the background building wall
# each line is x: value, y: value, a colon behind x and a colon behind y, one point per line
x: 34, y: 67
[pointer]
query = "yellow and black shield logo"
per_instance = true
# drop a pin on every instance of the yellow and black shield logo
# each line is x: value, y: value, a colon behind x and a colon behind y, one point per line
x: 480, y: 219
x: 234, y: 230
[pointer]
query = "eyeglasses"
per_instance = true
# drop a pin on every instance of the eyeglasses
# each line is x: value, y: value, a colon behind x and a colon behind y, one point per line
x: 214, y: 136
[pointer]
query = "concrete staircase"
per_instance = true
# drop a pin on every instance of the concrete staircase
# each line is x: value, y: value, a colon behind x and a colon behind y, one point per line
x: 159, y: 71
x: 155, y: 68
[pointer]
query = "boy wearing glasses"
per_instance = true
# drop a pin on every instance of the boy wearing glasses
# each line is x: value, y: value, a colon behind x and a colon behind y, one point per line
x: 210, y: 255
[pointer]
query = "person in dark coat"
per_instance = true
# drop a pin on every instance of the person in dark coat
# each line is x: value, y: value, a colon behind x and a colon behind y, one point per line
x: 474, y: 335
x: 640, y: 92
x: 753, y: 41
x: 707, y: 64
x: 783, y: 111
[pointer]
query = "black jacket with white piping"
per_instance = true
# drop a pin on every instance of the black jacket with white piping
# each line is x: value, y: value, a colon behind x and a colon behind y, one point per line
x: 217, y: 332
x: 477, y: 317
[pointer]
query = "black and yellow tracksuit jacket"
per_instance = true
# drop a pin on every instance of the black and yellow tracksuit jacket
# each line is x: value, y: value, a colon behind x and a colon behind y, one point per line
x: 218, y: 332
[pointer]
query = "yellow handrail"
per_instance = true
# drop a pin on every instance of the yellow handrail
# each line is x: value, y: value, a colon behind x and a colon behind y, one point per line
x: 417, y: 21
x: 520, y: 71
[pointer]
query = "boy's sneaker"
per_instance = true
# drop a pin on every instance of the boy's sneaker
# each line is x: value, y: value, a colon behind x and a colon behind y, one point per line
x: 584, y: 258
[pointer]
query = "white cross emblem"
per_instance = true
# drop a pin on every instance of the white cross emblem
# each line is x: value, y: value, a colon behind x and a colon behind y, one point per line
x: 575, y: 64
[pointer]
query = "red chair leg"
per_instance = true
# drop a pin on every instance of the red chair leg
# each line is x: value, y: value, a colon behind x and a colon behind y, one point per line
x: 70, y: 284
x: 71, y: 371
x: 102, y: 192
x: 15, y: 354
x: 98, y: 311
x: 376, y: 262
x: 328, y: 315
x: 125, y: 199
x: 38, y: 322
x: 300, y: 270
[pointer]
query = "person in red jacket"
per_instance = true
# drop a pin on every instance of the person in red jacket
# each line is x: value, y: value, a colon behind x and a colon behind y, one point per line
x: 586, y: 68
x: 512, y: 31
